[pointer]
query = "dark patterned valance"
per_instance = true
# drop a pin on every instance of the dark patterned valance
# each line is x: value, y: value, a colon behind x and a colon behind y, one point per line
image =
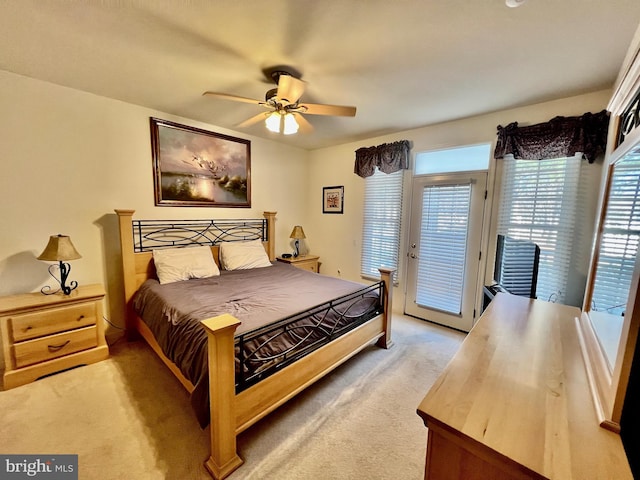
x: 557, y: 138
x: 388, y: 157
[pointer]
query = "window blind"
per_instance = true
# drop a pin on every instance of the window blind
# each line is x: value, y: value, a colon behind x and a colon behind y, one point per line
x: 620, y: 237
x: 540, y: 202
x: 443, y: 246
x: 381, y: 223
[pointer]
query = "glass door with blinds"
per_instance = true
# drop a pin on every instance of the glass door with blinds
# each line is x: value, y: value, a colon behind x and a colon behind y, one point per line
x: 444, y: 248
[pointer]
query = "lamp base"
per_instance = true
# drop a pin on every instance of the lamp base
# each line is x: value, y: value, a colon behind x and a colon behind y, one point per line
x: 64, y: 269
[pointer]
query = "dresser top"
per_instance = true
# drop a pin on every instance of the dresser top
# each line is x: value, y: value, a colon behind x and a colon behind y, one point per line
x: 518, y: 385
x: 27, y: 301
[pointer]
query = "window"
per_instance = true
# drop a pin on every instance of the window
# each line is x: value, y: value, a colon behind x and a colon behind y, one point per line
x: 382, y: 222
x: 541, y: 201
x: 458, y: 159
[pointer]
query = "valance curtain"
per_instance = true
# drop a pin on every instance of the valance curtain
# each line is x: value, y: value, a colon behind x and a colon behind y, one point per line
x: 557, y: 138
x: 388, y: 157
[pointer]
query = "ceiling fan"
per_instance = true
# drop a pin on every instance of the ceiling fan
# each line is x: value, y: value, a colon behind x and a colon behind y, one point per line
x: 285, y: 111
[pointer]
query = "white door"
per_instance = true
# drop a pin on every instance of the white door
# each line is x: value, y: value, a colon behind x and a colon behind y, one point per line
x: 444, y: 248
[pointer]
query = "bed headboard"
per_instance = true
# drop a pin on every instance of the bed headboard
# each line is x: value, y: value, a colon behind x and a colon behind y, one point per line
x: 138, y: 239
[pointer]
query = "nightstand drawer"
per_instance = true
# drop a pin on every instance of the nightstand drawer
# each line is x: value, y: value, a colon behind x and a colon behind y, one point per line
x: 53, y: 346
x: 46, y: 322
x: 303, y: 262
x: 311, y: 266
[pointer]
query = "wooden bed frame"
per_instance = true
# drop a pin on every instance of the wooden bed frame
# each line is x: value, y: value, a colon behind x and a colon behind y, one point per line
x: 232, y: 413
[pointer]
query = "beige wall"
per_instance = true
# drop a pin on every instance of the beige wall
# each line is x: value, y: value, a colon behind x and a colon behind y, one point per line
x: 336, y: 238
x: 69, y: 158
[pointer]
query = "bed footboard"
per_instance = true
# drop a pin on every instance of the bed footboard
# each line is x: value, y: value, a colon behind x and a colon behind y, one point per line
x: 232, y: 413
x: 224, y: 458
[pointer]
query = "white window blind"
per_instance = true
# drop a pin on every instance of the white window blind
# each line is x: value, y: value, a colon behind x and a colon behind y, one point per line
x: 540, y: 202
x: 443, y: 246
x: 620, y: 237
x: 382, y: 223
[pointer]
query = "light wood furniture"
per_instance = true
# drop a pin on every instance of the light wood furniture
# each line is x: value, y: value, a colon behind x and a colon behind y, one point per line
x: 44, y: 334
x: 232, y: 413
x: 305, y: 262
x: 514, y: 402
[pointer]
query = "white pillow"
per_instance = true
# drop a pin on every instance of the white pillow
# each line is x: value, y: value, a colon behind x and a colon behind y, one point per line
x: 175, y: 264
x: 243, y: 255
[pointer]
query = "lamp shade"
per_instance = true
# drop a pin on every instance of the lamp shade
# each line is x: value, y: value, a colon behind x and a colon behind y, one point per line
x: 273, y: 122
x: 290, y: 124
x: 59, y: 248
x: 297, y: 232
x: 281, y: 122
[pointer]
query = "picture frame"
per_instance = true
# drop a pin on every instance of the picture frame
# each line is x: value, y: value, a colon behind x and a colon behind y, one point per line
x: 198, y: 168
x: 333, y: 199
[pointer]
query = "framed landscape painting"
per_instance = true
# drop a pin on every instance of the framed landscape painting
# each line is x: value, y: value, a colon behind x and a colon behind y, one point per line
x: 194, y: 167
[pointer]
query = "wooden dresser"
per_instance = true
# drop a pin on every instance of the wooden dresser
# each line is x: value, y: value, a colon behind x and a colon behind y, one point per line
x: 44, y: 334
x: 515, y: 403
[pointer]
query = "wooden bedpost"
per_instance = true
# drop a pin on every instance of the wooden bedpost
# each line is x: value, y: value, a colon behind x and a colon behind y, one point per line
x: 271, y: 229
x: 222, y: 402
x: 386, y: 274
x: 128, y: 266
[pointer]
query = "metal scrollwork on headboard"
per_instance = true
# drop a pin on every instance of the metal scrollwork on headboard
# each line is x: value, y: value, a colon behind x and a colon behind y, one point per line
x: 153, y: 234
x: 629, y: 119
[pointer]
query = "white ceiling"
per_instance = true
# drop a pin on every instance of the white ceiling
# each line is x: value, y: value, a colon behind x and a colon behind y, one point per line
x: 402, y: 63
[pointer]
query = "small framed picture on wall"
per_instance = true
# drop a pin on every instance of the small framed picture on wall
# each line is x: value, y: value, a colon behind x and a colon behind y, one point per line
x: 333, y: 199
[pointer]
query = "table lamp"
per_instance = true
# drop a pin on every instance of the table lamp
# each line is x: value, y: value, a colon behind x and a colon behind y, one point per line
x: 60, y: 249
x: 297, y: 234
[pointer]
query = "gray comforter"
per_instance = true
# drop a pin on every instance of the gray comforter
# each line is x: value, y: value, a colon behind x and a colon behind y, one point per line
x: 256, y: 297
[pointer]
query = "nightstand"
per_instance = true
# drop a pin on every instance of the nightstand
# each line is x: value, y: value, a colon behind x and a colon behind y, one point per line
x: 44, y: 334
x: 305, y: 262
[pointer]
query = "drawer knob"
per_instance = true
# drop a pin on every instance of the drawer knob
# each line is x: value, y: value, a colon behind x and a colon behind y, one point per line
x: 56, y: 348
x: 80, y: 318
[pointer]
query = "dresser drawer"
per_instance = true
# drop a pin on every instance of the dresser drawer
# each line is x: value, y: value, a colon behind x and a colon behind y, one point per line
x: 54, y: 320
x: 53, y: 346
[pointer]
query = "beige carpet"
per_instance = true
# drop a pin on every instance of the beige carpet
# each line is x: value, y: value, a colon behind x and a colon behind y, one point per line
x: 128, y: 417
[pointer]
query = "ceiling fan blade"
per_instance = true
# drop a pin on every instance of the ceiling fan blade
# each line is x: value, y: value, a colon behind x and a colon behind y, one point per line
x: 253, y: 120
x: 337, y: 110
x: 235, y: 98
x: 303, y: 123
x: 290, y: 88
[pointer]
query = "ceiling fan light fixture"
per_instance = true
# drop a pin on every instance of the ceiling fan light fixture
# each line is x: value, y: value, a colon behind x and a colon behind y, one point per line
x: 290, y: 124
x: 273, y: 122
x: 285, y: 123
x: 285, y: 114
